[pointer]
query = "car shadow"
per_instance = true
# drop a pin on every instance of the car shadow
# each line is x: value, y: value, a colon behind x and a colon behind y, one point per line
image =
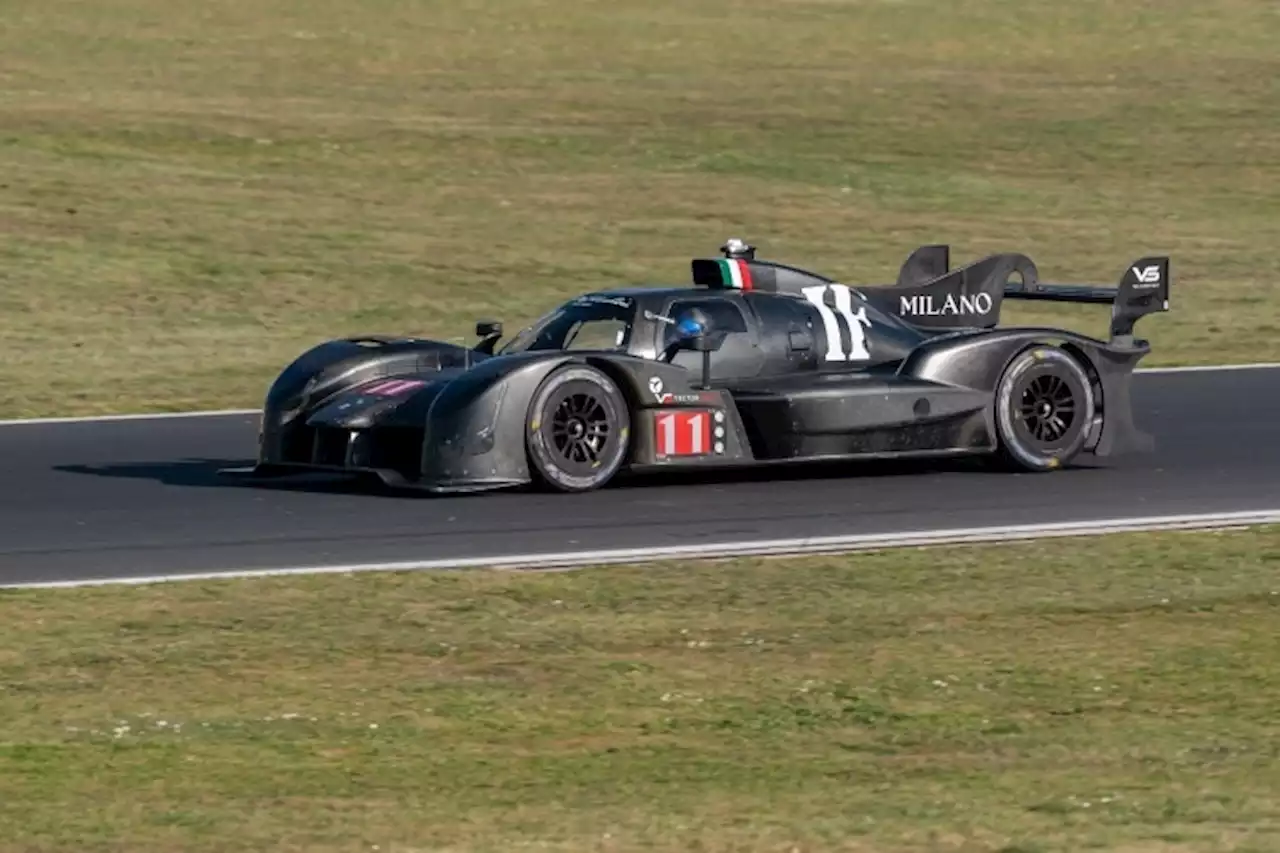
x: 802, y: 471
x: 204, y: 473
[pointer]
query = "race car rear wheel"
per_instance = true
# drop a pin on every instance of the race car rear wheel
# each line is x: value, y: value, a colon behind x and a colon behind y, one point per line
x: 1044, y: 408
x: 578, y: 430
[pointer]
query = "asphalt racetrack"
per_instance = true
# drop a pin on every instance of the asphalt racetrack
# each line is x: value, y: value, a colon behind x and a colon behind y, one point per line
x: 137, y: 498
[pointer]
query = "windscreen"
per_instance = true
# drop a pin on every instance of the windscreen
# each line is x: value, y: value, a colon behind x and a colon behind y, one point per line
x: 592, y: 322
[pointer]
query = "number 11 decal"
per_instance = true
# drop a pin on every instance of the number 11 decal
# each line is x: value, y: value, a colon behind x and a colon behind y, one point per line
x: 858, y: 323
x: 688, y: 432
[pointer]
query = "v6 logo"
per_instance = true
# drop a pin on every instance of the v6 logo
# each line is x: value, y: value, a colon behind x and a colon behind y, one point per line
x: 1148, y: 275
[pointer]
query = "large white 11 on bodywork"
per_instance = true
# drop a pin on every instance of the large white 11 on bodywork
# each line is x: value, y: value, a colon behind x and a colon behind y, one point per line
x: 857, y: 322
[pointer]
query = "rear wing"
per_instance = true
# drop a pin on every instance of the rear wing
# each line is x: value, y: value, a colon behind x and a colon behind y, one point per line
x: 1143, y: 290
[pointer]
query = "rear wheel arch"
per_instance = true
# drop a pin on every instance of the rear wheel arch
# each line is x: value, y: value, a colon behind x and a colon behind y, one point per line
x: 1071, y: 346
x: 1080, y: 352
x: 1095, y: 379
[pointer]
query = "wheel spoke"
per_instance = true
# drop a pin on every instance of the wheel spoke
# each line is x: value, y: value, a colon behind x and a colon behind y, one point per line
x: 579, y: 429
x: 1047, y: 407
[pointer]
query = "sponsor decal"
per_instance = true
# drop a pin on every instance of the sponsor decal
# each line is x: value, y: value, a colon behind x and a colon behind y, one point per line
x: 600, y: 299
x: 666, y: 398
x: 1148, y: 277
x: 669, y: 399
x: 926, y: 305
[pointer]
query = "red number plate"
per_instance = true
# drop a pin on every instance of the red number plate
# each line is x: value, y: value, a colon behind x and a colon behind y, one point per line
x: 684, y: 432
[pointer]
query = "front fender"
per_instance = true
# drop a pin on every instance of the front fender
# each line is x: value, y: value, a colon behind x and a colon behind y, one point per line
x: 475, y: 430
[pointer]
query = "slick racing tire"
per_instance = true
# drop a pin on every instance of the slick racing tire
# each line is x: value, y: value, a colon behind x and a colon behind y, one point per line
x: 1044, y: 408
x: 578, y: 430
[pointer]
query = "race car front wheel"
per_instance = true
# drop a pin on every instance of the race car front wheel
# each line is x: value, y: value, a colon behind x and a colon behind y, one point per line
x: 578, y: 429
x: 1044, y: 407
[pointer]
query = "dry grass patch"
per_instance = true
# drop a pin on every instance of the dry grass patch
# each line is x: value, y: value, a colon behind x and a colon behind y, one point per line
x: 195, y: 193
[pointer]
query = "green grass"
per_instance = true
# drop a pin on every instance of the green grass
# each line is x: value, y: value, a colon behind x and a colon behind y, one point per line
x: 192, y: 193
x: 1116, y: 694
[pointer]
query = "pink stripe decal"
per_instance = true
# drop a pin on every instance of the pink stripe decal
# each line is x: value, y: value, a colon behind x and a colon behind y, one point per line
x: 393, y: 387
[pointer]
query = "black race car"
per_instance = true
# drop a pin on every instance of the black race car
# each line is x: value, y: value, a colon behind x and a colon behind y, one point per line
x: 754, y: 363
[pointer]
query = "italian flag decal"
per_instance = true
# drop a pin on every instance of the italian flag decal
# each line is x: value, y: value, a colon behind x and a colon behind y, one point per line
x: 735, y: 273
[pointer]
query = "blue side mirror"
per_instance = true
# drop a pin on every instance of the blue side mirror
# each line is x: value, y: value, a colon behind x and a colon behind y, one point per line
x: 693, y: 334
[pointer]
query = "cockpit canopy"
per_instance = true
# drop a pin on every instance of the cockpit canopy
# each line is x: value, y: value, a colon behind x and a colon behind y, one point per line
x: 590, y: 322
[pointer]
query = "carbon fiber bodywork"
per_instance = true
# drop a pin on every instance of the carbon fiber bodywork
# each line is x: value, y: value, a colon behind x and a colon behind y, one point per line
x: 801, y: 376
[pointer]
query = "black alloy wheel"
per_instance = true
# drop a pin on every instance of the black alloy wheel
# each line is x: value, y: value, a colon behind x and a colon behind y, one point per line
x: 1044, y: 409
x: 579, y: 429
x: 1047, y: 408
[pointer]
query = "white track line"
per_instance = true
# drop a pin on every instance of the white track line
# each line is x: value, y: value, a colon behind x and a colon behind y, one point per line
x: 759, y: 548
x: 220, y: 413
x: 1206, y: 368
x: 139, y: 416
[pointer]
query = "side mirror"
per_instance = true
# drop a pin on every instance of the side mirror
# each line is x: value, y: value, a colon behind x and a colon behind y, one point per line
x: 489, y: 331
x: 693, y: 335
x: 706, y: 342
